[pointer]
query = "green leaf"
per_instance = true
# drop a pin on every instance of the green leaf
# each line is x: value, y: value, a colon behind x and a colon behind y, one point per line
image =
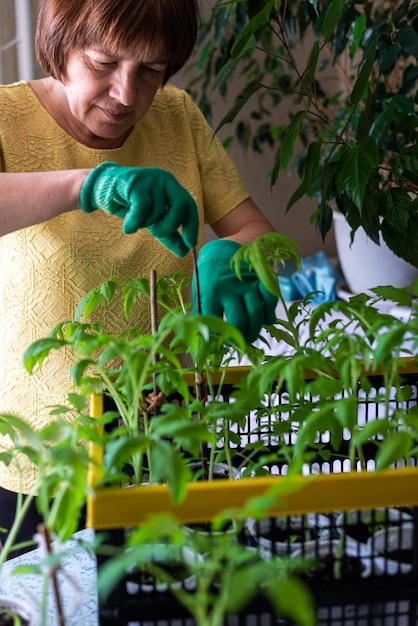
x: 358, y: 32
x: 241, y: 588
x: 332, y: 17
x: 408, y: 38
x: 297, y: 195
x: 17, y: 428
x: 353, y: 170
x: 308, y: 76
x: 406, y: 161
x: 258, y: 21
x: 315, y: 5
x: 229, y: 67
x: 169, y: 466
x: 239, y: 103
x: 406, y: 247
x: 369, y: 431
x: 293, y: 599
x: 394, y: 448
x: 39, y: 350
x: 263, y: 269
x: 120, y: 451
x: 311, y: 167
x: 381, y: 123
x: 290, y: 136
x: 394, y: 294
x: 363, y: 77
x: 389, y: 343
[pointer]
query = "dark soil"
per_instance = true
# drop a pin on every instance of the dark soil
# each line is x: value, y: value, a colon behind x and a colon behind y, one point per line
x: 360, y: 532
x: 206, y: 527
x: 400, y: 555
x: 350, y: 568
x: 177, y: 570
x: 293, y: 535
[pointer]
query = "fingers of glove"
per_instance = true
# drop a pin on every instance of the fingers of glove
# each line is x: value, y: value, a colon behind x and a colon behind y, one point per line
x: 180, y: 211
x: 163, y: 206
x: 210, y: 303
x: 146, y: 201
x: 135, y: 194
x: 250, y: 307
x: 237, y: 315
x: 270, y: 304
x: 259, y: 308
x: 181, y: 199
x: 254, y: 309
x: 175, y: 244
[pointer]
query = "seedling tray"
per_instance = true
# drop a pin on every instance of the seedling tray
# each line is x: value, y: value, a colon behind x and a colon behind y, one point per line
x: 386, y: 594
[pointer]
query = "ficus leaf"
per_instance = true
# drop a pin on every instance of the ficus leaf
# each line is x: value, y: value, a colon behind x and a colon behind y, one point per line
x: 363, y: 77
x: 250, y: 89
x: 290, y: 136
x: 228, y: 68
x: 311, y: 167
x: 258, y: 21
x: 353, y: 170
x: 332, y: 17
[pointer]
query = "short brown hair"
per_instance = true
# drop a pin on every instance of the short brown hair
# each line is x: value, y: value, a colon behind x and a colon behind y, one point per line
x: 170, y: 26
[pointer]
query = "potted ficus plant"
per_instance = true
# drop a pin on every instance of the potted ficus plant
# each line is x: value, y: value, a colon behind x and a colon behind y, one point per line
x: 347, y: 73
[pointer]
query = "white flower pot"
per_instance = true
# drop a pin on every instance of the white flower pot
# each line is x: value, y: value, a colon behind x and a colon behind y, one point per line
x: 388, y: 517
x: 19, y: 607
x: 393, y: 539
x: 220, y: 470
x: 366, y: 265
x: 260, y: 529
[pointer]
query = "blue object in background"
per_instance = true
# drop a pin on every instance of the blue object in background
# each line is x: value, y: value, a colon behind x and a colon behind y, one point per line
x: 317, y: 274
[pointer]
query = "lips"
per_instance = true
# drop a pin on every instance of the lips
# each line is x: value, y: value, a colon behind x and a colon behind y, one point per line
x: 116, y: 115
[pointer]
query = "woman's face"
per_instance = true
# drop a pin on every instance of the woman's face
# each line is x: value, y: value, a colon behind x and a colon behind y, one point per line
x: 107, y: 93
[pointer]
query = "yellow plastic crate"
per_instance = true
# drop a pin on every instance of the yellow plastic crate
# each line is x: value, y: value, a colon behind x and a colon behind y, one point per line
x: 117, y: 507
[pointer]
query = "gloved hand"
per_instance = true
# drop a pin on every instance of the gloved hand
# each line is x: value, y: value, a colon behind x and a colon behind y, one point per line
x: 144, y: 197
x: 246, y: 303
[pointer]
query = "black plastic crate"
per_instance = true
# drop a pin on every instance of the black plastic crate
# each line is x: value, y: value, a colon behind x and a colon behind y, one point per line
x: 385, y: 594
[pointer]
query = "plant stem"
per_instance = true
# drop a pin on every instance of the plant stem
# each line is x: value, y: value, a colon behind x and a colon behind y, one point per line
x: 43, y: 531
x: 21, y: 509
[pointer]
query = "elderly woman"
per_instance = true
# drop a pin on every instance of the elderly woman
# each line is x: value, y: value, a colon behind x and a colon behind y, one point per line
x: 106, y: 169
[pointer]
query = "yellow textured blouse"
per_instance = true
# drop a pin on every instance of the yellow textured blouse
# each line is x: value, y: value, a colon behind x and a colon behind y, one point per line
x: 47, y: 268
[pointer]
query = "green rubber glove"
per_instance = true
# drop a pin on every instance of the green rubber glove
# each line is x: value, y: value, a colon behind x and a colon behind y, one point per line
x: 246, y: 303
x: 144, y: 197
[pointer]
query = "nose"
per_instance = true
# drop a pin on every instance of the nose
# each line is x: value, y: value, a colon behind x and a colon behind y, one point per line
x: 123, y: 88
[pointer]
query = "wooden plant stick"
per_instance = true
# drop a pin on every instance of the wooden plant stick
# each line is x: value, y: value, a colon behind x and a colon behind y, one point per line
x: 200, y: 384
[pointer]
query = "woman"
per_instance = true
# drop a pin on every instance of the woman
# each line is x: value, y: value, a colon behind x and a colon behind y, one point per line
x: 104, y: 138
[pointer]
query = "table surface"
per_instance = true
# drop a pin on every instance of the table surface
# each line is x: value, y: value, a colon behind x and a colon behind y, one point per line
x: 76, y: 580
